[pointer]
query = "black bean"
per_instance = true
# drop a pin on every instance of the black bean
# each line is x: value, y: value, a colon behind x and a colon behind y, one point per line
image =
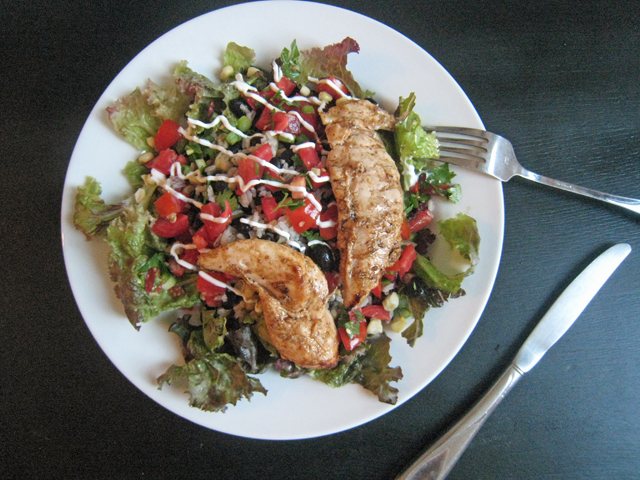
x: 242, y: 228
x: 219, y: 186
x: 239, y: 107
x: 423, y: 239
x: 322, y: 255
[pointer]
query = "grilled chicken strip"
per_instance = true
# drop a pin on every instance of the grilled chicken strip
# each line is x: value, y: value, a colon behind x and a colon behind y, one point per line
x: 293, y: 292
x: 366, y: 184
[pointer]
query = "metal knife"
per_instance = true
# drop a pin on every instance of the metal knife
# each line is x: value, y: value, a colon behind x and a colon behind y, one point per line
x: 437, y: 462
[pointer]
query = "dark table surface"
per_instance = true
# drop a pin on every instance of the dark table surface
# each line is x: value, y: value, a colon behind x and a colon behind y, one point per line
x: 559, y: 79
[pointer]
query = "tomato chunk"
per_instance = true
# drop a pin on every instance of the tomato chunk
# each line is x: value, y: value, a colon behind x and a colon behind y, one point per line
x: 165, y: 159
x: 269, y: 205
x: 420, y: 220
x: 325, y: 87
x: 167, y: 135
x: 168, y: 229
x: 351, y: 343
x: 378, y: 290
x: 303, y: 218
x: 309, y: 157
x: 150, y: 280
x: 208, y: 290
x: 331, y: 214
x: 376, y: 311
x: 214, y: 228
x: 201, y: 239
x: 286, y: 85
x: 169, y: 203
x: 405, y: 262
x: 405, y: 230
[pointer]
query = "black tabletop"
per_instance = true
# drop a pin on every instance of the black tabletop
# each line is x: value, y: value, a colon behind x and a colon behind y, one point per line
x: 557, y: 78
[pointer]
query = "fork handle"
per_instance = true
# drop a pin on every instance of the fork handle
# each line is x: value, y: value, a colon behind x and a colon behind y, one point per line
x: 437, y: 462
x: 624, y: 202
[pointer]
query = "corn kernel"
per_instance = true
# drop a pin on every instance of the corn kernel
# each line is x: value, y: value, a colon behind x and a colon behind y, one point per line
x: 391, y: 302
x: 398, y: 324
x: 227, y: 72
x: 374, y: 327
x: 151, y: 141
x: 325, y: 97
x: 140, y: 195
x: 146, y: 157
x: 304, y: 90
x: 253, y: 71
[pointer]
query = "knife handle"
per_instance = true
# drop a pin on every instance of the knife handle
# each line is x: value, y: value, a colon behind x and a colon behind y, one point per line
x: 437, y: 462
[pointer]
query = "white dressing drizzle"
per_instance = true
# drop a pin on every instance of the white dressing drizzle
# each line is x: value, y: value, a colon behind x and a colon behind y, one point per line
x: 275, y: 229
x: 220, y: 284
x: 174, y: 254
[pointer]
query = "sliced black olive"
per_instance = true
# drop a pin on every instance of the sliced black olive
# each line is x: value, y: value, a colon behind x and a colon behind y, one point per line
x: 322, y: 255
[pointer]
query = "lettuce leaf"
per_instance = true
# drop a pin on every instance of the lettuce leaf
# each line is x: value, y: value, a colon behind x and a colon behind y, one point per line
x: 92, y: 216
x: 367, y: 365
x: 134, y: 119
x: 203, y: 92
x: 415, y: 147
x: 238, y: 57
x: 461, y: 232
x: 214, y: 380
x: 330, y: 61
x: 132, y: 245
x: 138, y: 116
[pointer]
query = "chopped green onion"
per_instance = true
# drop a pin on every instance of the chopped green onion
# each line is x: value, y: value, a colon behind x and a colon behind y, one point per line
x: 244, y: 124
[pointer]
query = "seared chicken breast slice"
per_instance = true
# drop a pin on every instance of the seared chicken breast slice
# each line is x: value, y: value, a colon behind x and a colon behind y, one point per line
x: 293, y: 292
x: 366, y: 184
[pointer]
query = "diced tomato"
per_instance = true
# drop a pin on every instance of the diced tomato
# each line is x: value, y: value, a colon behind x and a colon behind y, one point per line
x: 378, y: 290
x: 274, y: 176
x: 169, y: 203
x: 190, y: 255
x: 168, y: 229
x: 325, y: 87
x: 309, y: 156
x: 320, y: 173
x: 249, y: 170
x: 150, y: 280
x: 351, y: 343
x: 404, y: 263
x: 376, y: 311
x: 415, y: 188
x: 265, y: 121
x: 303, y: 218
x: 168, y: 135
x: 420, y: 220
x: 208, y: 290
x: 177, y: 269
x: 280, y: 121
x: 332, y: 281
x: 405, y: 230
x: 330, y: 213
x: 286, y: 85
x: 165, y: 159
x: 215, y: 229
x: 201, y: 239
x: 269, y: 205
x: 264, y: 152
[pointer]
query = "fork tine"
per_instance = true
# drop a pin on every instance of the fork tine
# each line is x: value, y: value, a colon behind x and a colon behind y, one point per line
x: 475, y: 163
x: 462, y: 140
x: 471, y: 152
x: 472, y: 132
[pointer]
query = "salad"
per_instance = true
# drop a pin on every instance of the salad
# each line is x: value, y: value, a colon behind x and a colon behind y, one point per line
x: 245, y: 158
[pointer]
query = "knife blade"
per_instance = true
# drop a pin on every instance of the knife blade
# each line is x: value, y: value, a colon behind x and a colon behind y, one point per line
x: 437, y: 461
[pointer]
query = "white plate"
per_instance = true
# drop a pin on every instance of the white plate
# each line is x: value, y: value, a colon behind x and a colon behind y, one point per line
x: 389, y: 64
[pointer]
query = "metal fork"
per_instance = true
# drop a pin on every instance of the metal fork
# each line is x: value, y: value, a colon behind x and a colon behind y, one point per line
x: 494, y: 155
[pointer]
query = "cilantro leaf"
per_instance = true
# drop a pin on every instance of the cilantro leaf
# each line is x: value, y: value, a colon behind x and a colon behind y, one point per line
x: 291, y: 61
